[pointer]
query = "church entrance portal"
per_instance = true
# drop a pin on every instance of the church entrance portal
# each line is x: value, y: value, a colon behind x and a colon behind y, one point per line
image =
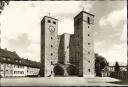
x: 72, y: 70
x: 58, y: 71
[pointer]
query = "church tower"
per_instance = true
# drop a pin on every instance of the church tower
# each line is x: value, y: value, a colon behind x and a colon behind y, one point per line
x: 49, y: 44
x: 81, y: 44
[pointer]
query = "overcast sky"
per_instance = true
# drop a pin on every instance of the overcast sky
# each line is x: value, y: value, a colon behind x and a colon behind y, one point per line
x: 20, y: 25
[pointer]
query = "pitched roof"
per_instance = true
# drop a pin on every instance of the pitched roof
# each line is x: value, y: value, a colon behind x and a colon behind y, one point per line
x: 8, y: 54
x: 11, y: 57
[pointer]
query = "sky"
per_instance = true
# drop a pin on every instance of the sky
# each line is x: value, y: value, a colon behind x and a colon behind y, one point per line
x: 20, y: 26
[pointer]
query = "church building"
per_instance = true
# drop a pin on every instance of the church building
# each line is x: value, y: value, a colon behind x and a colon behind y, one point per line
x: 68, y: 54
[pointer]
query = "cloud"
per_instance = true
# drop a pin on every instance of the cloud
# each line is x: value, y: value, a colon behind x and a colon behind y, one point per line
x: 100, y: 43
x: 32, y: 52
x: 21, y: 23
x: 116, y: 53
x: 19, y: 43
x: 114, y: 18
x: 123, y: 37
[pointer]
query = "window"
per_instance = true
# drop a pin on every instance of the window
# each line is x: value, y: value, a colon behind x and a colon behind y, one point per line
x: 88, y: 70
x: 78, y: 35
x: 8, y: 59
x: 88, y: 19
x: 89, y: 43
x: 67, y: 47
x: 51, y: 54
x: 51, y: 45
x: 4, y: 58
x: 51, y: 37
x: 54, y: 22
x: 88, y: 26
x: 88, y: 34
x: 89, y: 61
x: 19, y: 61
x: 15, y: 72
x: 88, y: 52
x: 49, y: 21
x: 1, y: 70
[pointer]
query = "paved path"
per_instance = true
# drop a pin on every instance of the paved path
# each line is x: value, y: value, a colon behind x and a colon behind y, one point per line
x: 55, y: 81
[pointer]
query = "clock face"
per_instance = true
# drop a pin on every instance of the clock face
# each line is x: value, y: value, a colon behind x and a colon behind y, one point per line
x: 51, y: 29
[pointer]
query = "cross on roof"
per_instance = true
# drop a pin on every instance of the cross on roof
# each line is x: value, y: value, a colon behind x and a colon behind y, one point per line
x: 83, y: 9
x: 49, y: 14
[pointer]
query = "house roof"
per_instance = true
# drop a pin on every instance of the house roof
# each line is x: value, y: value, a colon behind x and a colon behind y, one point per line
x: 13, y: 58
x: 8, y: 54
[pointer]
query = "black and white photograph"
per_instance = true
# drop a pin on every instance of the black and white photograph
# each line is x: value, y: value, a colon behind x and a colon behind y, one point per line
x: 63, y: 43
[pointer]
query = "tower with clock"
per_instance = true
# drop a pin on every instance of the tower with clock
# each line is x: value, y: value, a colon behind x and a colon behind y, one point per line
x: 49, y: 45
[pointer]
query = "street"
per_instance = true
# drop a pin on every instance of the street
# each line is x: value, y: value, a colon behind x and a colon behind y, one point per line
x: 57, y: 81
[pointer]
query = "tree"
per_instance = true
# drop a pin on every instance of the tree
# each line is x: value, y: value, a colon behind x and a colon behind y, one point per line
x: 117, y: 67
x: 2, y: 4
x: 100, y: 64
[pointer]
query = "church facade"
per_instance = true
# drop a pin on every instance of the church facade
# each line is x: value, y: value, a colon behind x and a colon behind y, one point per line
x: 68, y: 54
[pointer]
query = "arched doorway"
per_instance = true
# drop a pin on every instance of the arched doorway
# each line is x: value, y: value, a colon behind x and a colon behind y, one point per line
x: 72, y: 70
x: 58, y: 71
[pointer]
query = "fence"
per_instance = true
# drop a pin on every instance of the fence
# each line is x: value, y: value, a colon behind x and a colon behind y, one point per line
x: 123, y: 75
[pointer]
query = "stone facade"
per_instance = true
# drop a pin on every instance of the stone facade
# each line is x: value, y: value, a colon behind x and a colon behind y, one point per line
x: 11, y: 65
x: 49, y: 44
x: 71, y: 54
x: 81, y: 44
x: 63, y: 52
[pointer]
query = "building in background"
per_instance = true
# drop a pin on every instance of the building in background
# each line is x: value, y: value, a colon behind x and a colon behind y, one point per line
x: 11, y: 65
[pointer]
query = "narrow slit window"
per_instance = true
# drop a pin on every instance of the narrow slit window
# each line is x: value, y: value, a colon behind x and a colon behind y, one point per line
x: 89, y: 43
x: 51, y: 37
x: 49, y: 21
x: 51, y: 54
x: 88, y: 70
x: 88, y: 19
x: 54, y: 22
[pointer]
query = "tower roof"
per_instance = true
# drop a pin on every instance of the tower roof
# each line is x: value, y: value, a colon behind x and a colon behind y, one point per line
x: 84, y: 12
x: 49, y: 17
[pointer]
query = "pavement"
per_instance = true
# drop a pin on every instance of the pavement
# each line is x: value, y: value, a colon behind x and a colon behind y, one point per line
x: 58, y: 81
